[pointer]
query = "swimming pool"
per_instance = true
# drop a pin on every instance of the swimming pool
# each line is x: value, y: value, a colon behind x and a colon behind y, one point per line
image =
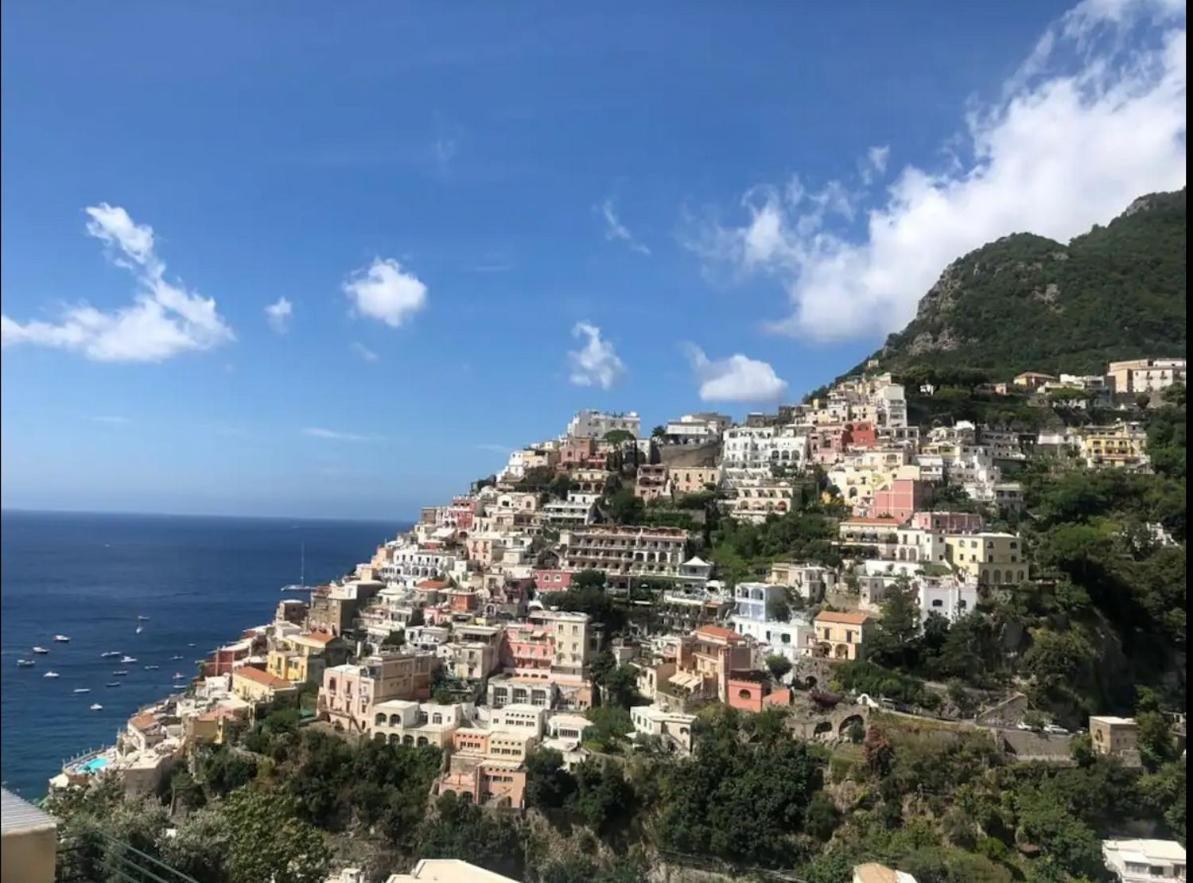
x: 94, y: 765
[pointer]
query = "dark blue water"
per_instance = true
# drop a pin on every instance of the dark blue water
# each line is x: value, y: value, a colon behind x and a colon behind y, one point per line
x: 199, y: 580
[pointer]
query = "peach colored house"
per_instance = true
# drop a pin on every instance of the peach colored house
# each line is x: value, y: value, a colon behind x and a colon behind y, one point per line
x: 348, y: 691
x: 900, y: 500
x: 753, y: 691
x: 527, y: 650
x: 714, y: 653
x: 841, y: 635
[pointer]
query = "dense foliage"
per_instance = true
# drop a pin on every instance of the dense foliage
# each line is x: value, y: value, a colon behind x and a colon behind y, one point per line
x: 1026, y: 303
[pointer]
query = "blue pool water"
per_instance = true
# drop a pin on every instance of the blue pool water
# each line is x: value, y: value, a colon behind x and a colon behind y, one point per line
x: 96, y: 763
x: 200, y: 581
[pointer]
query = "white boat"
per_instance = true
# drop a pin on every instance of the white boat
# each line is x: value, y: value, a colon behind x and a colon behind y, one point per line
x: 109, y: 654
x: 178, y: 675
x: 190, y: 645
x: 82, y: 689
x: 50, y: 674
x: 128, y: 660
x: 143, y: 618
x: 120, y: 674
x: 113, y: 684
x: 95, y: 706
x: 175, y: 658
x: 24, y: 663
x: 40, y: 650
x: 62, y: 639
x: 140, y: 629
x: 301, y: 585
x: 152, y: 667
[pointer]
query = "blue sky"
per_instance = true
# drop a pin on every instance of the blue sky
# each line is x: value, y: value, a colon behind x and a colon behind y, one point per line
x: 473, y: 221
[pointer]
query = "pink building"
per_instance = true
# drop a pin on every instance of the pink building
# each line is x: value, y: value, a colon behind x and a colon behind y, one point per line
x: 577, y: 452
x: 527, y: 650
x: 859, y: 435
x: 552, y: 580
x: 752, y: 691
x: 901, y: 500
x: 948, y: 522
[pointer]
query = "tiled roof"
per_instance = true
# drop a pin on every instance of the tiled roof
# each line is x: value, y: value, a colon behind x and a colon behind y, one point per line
x: 716, y: 631
x: 849, y: 617
x: 264, y: 678
x: 17, y: 815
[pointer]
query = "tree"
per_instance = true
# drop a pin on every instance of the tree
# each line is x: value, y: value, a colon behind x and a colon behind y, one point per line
x: 618, y: 436
x: 459, y: 829
x: 778, y: 610
x: 267, y: 840
x: 396, y: 638
x: 622, y: 507
x: 878, y: 752
x: 223, y: 770
x: 894, y: 638
x: 658, y: 432
x: 589, y: 579
x: 621, y: 686
x: 1155, y: 739
x: 603, y: 798
x: 548, y: 784
x: 778, y: 665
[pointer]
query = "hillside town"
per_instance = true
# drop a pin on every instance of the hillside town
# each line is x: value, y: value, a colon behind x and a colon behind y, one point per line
x: 580, y: 577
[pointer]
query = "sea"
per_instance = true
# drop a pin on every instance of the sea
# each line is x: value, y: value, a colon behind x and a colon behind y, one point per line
x: 197, y: 581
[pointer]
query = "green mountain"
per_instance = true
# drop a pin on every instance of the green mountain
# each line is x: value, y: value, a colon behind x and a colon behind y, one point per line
x: 1026, y: 303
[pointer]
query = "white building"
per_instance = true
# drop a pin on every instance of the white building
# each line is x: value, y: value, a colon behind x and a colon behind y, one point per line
x: 764, y: 446
x: 1145, y: 861
x: 597, y: 424
x: 696, y: 429
x: 673, y: 727
x: 1145, y: 375
x: 578, y: 510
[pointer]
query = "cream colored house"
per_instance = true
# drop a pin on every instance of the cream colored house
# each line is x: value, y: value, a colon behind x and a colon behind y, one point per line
x: 841, y: 635
x: 988, y: 558
x: 1122, y: 446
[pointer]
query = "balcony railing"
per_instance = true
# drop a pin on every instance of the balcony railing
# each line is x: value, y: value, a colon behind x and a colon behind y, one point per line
x: 96, y: 856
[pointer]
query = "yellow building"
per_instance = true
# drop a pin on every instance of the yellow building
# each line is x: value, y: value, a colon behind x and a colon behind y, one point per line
x: 253, y: 685
x: 1122, y: 446
x: 693, y: 479
x: 990, y: 559
x: 842, y: 635
x: 300, y: 659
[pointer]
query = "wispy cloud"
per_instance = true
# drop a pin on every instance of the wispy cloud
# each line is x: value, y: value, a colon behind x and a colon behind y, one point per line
x: 596, y: 363
x: 1093, y: 118
x: 616, y: 231
x: 278, y: 315
x: 110, y: 419
x: 163, y: 321
x: 363, y: 351
x: 735, y: 379
x: 444, y: 150
x: 386, y: 292
x: 494, y: 449
x: 336, y: 435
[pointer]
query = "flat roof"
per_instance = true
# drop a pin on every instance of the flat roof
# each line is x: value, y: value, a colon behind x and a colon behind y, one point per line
x: 18, y: 816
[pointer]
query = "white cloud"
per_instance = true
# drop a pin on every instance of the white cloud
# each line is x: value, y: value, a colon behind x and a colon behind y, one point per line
x: 1094, y: 118
x: 336, y: 435
x: 735, y: 379
x: 596, y: 363
x: 875, y: 165
x: 363, y: 351
x: 384, y: 291
x: 278, y: 315
x: 616, y: 231
x: 163, y: 321
x: 494, y: 449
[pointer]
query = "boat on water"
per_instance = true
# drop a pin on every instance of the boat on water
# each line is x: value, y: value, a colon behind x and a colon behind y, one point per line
x: 140, y: 629
x: 112, y: 684
x: 50, y: 674
x: 109, y: 654
x: 128, y: 660
x: 152, y: 667
x: 120, y: 674
x: 301, y: 585
x: 143, y: 618
x: 82, y: 689
x: 175, y: 658
x: 62, y: 639
x: 95, y: 706
x: 191, y: 644
x: 178, y: 675
x: 40, y: 650
x: 24, y: 663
